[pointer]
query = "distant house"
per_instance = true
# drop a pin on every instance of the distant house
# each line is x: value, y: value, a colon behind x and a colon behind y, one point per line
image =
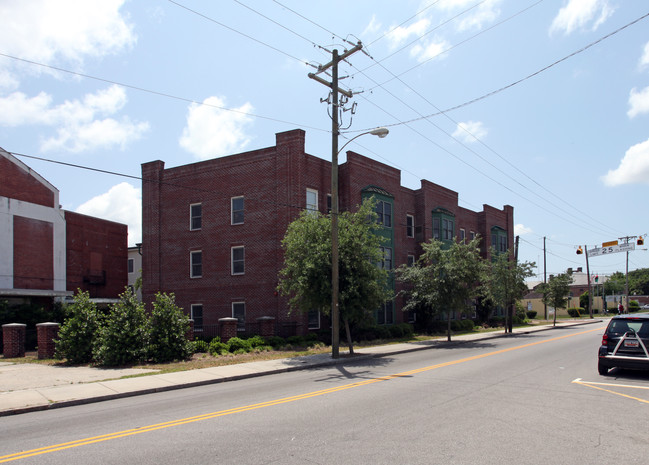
x: 134, y: 268
x: 48, y: 253
x: 212, y: 230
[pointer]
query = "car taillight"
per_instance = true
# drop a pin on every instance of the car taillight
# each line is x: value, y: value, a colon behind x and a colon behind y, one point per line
x: 605, y: 339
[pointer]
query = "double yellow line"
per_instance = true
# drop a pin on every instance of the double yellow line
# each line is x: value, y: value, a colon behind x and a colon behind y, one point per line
x: 246, y: 408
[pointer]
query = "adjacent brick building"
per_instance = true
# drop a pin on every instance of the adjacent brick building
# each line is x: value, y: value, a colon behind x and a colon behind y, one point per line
x: 47, y: 252
x: 212, y: 230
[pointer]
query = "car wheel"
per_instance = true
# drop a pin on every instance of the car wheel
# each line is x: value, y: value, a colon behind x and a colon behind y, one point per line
x: 602, y: 369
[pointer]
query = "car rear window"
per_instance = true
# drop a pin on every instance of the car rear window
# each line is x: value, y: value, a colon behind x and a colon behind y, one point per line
x: 622, y: 326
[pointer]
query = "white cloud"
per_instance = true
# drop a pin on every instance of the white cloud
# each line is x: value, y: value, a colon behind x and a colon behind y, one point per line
x: 401, y: 34
x: 638, y: 102
x: 581, y: 14
x: 521, y: 230
x: 79, y: 124
x: 429, y: 50
x: 486, y: 12
x: 633, y: 169
x: 212, y: 131
x: 372, y: 28
x: 122, y: 204
x: 469, y: 131
x: 644, y: 60
x: 68, y: 30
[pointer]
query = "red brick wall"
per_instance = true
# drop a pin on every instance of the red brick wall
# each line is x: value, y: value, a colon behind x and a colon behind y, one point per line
x: 96, y: 255
x: 273, y: 182
x: 19, y: 184
x: 33, y: 254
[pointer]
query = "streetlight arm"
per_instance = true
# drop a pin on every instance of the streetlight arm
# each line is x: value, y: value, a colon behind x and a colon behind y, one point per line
x: 381, y: 132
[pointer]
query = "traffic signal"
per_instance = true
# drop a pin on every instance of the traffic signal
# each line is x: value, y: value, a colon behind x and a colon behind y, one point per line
x: 640, y: 240
x: 579, y: 251
x: 596, y: 277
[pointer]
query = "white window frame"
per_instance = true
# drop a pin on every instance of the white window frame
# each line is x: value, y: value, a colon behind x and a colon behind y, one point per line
x: 462, y: 235
x: 191, y: 217
x: 311, y: 206
x: 197, y: 327
x: 317, y: 315
x: 410, y: 261
x: 241, y: 326
x: 243, y: 260
x: 192, y: 254
x: 233, y: 211
x: 410, y: 226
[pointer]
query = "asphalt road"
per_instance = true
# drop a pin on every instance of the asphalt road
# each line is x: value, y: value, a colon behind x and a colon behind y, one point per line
x: 529, y: 399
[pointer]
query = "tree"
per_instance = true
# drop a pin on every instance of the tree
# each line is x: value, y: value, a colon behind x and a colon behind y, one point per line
x: 444, y: 278
x: 506, y: 281
x: 167, y: 329
x: 556, y: 292
x: 77, y: 334
x: 306, y: 276
x: 121, y: 338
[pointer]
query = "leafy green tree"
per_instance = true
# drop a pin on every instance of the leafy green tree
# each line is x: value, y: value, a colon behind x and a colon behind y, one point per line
x: 615, y: 284
x: 121, y: 339
x: 167, y: 329
x: 506, y: 282
x: 306, y: 276
x: 77, y: 334
x: 639, y: 281
x: 556, y: 292
x: 444, y: 279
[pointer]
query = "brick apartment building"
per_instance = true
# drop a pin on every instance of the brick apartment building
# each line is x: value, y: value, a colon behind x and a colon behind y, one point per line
x: 212, y: 230
x: 47, y: 252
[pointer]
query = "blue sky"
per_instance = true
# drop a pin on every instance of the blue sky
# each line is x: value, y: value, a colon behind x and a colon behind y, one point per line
x: 542, y: 105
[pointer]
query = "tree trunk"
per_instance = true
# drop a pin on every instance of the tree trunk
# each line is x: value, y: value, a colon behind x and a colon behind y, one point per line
x: 348, y: 333
x: 448, y: 327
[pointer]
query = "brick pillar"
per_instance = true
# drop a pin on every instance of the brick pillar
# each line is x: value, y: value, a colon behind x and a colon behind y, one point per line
x: 13, y: 340
x: 190, y: 333
x: 227, y: 328
x: 46, y: 333
x: 266, y: 326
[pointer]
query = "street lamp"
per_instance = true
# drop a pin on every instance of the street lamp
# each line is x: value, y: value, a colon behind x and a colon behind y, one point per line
x: 335, y: 318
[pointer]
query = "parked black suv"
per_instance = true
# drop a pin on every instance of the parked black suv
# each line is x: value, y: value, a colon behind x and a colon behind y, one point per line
x: 625, y: 343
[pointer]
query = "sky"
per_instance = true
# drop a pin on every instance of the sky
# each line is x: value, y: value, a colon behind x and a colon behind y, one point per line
x: 541, y: 105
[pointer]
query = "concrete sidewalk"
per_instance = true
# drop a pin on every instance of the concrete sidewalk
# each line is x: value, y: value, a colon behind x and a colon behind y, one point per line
x: 27, y: 387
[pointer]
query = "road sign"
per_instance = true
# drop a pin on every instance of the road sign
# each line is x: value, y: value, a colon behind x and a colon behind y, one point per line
x: 612, y: 249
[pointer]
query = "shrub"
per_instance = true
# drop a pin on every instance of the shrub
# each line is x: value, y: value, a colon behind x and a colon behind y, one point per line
x: 77, y: 334
x: 167, y: 329
x: 217, y: 347
x: 256, y: 341
x: 121, y: 339
x: 396, y: 331
x: 531, y: 315
x: 236, y: 344
x: 200, y: 347
x: 276, y: 341
x: 575, y: 312
x: 634, y: 306
x: 296, y: 341
x: 496, y: 321
x: 407, y: 330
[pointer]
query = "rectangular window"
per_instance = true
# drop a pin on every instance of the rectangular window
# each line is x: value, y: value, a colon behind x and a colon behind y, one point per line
x: 462, y: 235
x: 386, y: 264
x: 447, y: 230
x: 314, y: 319
x: 239, y: 312
x: 471, y: 235
x: 237, y: 210
x: 130, y: 265
x: 410, y: 226
x: 312, y: 200
x: 329, y: 204
x: 411, y: 260
x: 436, y: 229
x: 386, y: 314
x: 197, y: 316
x: 503, y: 243
x: 196, y: 264
x: 195, y: 216
x: 238, y: 260
x: 384, y: 213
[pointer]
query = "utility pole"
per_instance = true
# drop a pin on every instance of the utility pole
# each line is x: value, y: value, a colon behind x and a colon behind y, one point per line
x: 545, y: 281
x: 335, y: 130
x: 590, y: 292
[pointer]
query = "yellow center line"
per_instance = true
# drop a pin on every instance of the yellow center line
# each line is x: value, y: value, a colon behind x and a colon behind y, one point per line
x: 246, y: 408
x: 593, y: 385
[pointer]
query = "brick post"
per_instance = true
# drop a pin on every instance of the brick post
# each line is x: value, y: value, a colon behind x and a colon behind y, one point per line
x: 266, y: 326
x: 13, y: 340
x: 46, y: 333
x: 227, y: 328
